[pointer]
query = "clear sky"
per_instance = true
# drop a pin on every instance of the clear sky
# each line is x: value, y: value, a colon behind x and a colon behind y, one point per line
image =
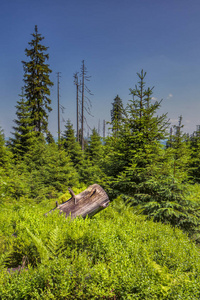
x: 116, y: 38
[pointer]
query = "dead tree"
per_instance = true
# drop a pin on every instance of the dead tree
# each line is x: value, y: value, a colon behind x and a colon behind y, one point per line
x: 87, y: 203
x: 58, y: 92
x: 77, y: 105
x: 85, y: 101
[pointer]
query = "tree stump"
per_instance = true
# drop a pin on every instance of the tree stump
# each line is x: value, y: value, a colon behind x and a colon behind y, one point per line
x: 87, y: 203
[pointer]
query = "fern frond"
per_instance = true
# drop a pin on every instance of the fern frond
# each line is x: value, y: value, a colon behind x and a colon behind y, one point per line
x: 5, y: 259
x: 55, y: 245
x: 41, y: 248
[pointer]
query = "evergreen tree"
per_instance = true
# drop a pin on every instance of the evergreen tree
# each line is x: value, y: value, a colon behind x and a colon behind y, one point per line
x: 37, y: 82
x: 195, y: 156
x: 138, y: 146
x: 2, y: 139
x: 179, y: 149
x: 70, y: 144
x: 88, y: 172
x: 23, y: 134
x: 49, y: 138
x: 143, y: 123
x: 140, y: 169
x: 5, y: 155
x: 94, y: 147
x: 49, y: 168
x: 117, y: 114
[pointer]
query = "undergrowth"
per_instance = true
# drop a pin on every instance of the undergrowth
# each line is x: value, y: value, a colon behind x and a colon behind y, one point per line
x: 117, y: 254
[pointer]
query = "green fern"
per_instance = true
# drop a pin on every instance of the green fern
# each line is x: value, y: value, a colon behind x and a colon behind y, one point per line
x: 42, y: 250
x: 5, y: 259
x: 56, y: 246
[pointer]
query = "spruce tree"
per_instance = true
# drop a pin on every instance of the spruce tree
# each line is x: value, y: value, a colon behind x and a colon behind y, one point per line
x: 139, y: 165
x: 70, y: 144
x: 143, y: 122
x: 49, y: 169
x: 139, y: 136
x: 179, y: 149
x: 24, y: 129
x: 117, y: 114
x: 94, y: 147
x: 5, y: 155
x: 195, y: 156
x: 37, y: 82
x: 49, y: 138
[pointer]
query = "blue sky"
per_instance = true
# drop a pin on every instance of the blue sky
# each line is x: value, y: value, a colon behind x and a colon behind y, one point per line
x: 116, y: 38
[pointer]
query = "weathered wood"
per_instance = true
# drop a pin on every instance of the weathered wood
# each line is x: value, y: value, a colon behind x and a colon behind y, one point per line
x: 87, y: 203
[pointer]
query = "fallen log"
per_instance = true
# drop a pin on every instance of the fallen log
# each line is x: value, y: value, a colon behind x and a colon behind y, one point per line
x: 87, y: 203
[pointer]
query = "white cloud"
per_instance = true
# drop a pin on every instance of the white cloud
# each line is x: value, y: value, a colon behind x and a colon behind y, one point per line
x: 173, y: 120
x: 154, y: 98
x: 169, y: 96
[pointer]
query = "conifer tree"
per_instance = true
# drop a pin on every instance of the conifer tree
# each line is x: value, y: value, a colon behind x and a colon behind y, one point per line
x: 37, y: 82
x: 140, y: 133
x: 49, y: 138
x: 117, y: 114
x: 178, y: 148
x: 23, y: 134
x: 70, y: 144
x: 143, y: 122
x: 2, y: 145
x: 48, y: 168
x: 195, y: 156
x: 138, y: 167
x: 94, y: 147
x: 4, y: 153
x: 2, y: 138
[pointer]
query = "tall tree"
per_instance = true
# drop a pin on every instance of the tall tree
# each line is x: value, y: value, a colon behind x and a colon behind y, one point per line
x: 37, y: 82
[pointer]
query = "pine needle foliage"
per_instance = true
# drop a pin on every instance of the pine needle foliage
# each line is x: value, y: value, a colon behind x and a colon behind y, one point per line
x: 37, y: 82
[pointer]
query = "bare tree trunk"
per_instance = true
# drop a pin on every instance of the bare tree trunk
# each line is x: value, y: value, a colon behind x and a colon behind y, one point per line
x: 58, y: 74
x: 77, y: 111
x: 77, y: 105
x: 82, y: 111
